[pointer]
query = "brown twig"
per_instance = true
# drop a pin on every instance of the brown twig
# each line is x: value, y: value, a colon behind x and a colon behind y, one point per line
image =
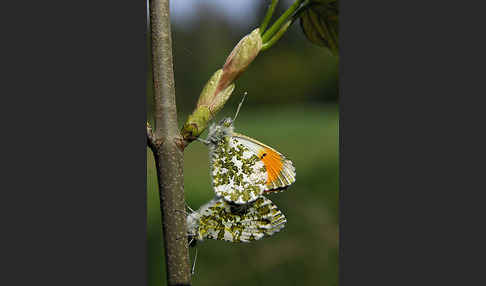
x: 165, y: 140
x: 150, y: 137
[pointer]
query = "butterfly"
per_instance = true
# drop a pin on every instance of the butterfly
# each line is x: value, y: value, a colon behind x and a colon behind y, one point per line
x: 221, y: 220
x: 242, y: 168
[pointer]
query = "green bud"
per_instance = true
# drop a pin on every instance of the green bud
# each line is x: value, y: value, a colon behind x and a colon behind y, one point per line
x: 241, y: 57
x: 196, y: 123
x: 221, y: 85
x: 209, y: 103
x: 212, y: 96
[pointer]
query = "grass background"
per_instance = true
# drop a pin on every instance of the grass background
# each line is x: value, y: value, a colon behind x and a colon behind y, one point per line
x: 306, y: 251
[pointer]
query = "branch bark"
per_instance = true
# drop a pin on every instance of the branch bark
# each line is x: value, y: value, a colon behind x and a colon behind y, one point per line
x: 150, y: 137
x: 167, y: 146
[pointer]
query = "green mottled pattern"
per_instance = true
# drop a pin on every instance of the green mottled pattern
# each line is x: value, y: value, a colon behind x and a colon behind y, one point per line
x: 286, y: 175
x: 238, y: 175
x: 236, y: 223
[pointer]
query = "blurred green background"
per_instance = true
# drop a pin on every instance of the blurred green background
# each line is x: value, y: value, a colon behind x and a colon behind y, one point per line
x: 292, y: 105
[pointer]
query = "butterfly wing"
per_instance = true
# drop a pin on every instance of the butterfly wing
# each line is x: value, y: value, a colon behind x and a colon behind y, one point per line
x: 280, y: 170
x: 238, y: 175
x: 263, y: 216
x: 220, y: 220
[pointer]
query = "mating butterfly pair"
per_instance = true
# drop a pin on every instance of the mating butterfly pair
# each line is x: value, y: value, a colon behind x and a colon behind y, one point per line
x: 242, y: 170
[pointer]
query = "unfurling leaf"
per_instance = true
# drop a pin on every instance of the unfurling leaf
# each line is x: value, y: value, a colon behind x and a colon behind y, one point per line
x: 221, y: 85
x: 240, y: 58
x: 320, y: 23
x: 211, y: 100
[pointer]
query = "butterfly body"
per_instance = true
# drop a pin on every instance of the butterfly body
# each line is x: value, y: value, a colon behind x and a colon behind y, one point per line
x: 221, y: 220
x: 243, y: 168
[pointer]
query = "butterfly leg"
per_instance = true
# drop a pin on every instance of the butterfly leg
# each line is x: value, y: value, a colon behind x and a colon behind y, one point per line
x: 194, y: 263
x: 187, y: 205
x: 205, y: 142
x: 184, y: 236
x: 182, y: 211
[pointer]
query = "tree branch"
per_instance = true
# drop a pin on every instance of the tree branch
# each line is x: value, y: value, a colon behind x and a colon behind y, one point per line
x: 150, y: 137
x: 168, y: 148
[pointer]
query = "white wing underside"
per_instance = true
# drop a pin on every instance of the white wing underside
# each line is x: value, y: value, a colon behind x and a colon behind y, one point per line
x: 221, y: 221
x: 240, y: 175
x: 286, y: 175
x: 237, y: 174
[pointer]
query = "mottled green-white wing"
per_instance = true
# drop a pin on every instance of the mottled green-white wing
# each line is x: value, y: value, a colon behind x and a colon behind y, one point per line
x: 280, y: 170
x: 238, y: 174
x: 238, y: 223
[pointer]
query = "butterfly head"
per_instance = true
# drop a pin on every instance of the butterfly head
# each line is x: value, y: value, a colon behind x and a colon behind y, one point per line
x: 218, y: 131
x: 226, y: 122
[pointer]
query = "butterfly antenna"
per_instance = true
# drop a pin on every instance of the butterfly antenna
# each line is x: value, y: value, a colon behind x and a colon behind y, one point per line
x: 194, y: 263
x: 239, y: 105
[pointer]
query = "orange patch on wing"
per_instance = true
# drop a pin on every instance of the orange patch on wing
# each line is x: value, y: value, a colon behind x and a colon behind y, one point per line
x: 273, y: 163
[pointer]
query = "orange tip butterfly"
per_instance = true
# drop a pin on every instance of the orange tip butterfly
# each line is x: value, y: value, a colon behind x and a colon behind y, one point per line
x: 242, y: 168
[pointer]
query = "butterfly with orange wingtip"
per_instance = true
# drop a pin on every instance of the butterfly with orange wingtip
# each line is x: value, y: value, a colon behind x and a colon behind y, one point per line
x: 242, y: 168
